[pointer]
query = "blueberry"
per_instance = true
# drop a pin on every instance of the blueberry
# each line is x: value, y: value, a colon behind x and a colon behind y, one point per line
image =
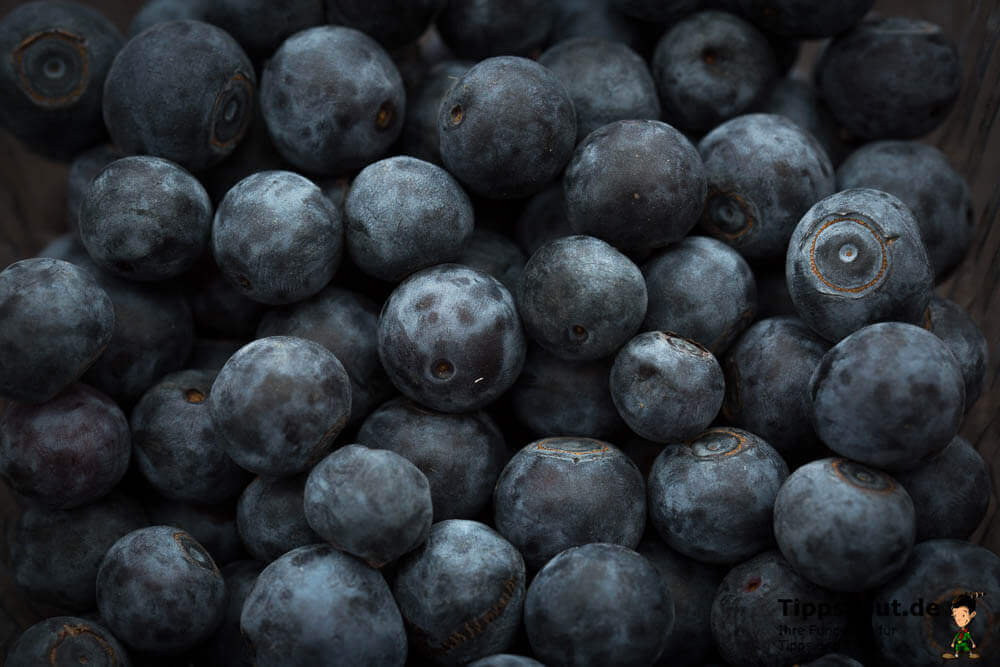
x: 181, y: 90
x: 855, y: 258
x: 666, y: 388
x: 145, y: 218
x: 890, y: 77
x: 461, y: 593
x: 920, y: 176
x: 219, y: 307
x: 842, y: 525
x: 450, y: 338
x: 712, y: 499
x: 496, y: 255
x: 65, y: 452
x: 55, y: 321
x: 543, y: 219
x: 477, y: 29
x: 700, y: 289
x: 764, y: 172
x: 56, y: 57
x: 607, y: 82
x: 598, y: 604
x: 271, y: 517
x: 420, y: 137
x: 895, y: 365
x: 261, y: 26
x: 213, y: 526
x: 951, y: 323
x: 799, y: 101
x: 277, y: 238
x: 153, y: 12
x: 779, y: 412
x: 580, y: 299
x: 756, y: 619
x: 936, y: 573
x: 345, y: 323
x: 558, y: 493
x: 332, y: 99
x: 66, y: 640
x: 392, y: 22
x: 553, y: 395
x: 505, y: 660
x: 499, y: 112
x: 370, y: 503
x: 55, y: 553
x: 227, y: 648
x: 709, y: 67
x: 805, y: 19
x: 159, y: 590
x: 623, y: 176
x: 82, y: 170
x: 299, y: 598
x: 950, y: 491
x: 460, y: 454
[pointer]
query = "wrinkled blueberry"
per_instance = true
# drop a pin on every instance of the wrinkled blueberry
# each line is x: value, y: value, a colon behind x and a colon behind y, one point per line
x: 271, y: 517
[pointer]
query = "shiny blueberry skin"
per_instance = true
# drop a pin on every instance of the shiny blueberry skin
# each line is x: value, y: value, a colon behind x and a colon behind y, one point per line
x: 181, y: 90
x: 160, y: 591
x: 498, y: 112
x: 297, y: 600
x: 623, y: 176
x: 55, y: 321
x: 889, y: 365
x: 271, y: 517
x: 598, y: 604
x: 450, y: 338
x: 67, y: 640
x: 332, y: 68
x: 856, y: 257
x: 951, y: 323
x: 805, y: 19
x: 392, y: 22
x: 844, y: 526
x: 478, y: 29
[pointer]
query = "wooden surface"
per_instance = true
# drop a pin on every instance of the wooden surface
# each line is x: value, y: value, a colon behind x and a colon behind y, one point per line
x: 32, y: 213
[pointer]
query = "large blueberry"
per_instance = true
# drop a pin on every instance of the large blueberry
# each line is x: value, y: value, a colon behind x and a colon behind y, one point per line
x: 478, y: 29
x: 67, y: 640
x: 951, y: 323
x: 805, y: 19
x: 450, y: 338
x: 271, y: 517
x: 318, y: 606
x: 842, y: 525
x: 392, y: 22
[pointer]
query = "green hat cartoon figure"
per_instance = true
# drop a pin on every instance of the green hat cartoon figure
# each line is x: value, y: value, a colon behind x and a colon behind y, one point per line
x: 963, y: 610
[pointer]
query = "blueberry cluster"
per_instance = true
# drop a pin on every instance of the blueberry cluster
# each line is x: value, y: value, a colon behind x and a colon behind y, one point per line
x: 490, y: 332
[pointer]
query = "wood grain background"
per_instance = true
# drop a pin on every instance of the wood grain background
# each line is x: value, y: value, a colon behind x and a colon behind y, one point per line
x: 33, y: 191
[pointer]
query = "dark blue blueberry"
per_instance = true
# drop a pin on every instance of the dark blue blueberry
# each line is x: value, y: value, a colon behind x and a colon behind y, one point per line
x: 855, y: 258
x: 505, y: 660
x: 212, y: 354
x: 950, y: 491
x: 55, y: 554
x: 158, y: 590
x: 656, y: 11
x: 460, y: 454
x: 752, y: 626
x: 175, y: 445
x: 56, y: 55
x: 558, y: 493
x: 271, y: 517
x: 581, y: 299
x: 55, y: 321
x: 937, y: 572
x: 345, y: 323
x: 260, y: 26
x: 477, y: 29
x: 598, y: 604
x: 333, y: 100
x: 500, y: 112
x: 607, y: 82
x: 666, y: 388
x: 402, y: 215
x: 299, y: 598
x: 214, y: 526
x: 67, y: 640
x: 710, y: 67
x: 888, y: 395
x: 65, y: 452
x: 700, y: 289
x: 805, y: 19
x: 161, y: 11
x: 144, y: 218
x: 82, y: 170
x: 890, y: 77
x: 370, y: 503
x: 450, y: 338
x: 920, y: 176
x: 763, y: 172
x: 842, y: 525
x: 496, y: 255
x: 622, y: 178
x: 220, y: 308
x: 227, y: 647
x: 951, y: 323
x: 277, y: 238
x: 181, y: 90
x: 461, y: 593
x: 392, y: 22
x: 799, y: 101
x: 711, y: 499
x: 421, y: 138
x: 767, y: 383
x: 543, y: 219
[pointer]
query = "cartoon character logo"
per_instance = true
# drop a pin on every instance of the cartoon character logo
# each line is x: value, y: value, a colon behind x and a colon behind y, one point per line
x: 963, y: 610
